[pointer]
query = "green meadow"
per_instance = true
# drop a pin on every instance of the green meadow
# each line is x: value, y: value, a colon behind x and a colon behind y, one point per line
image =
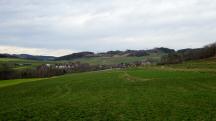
x: 182, y: 92
x: 13, y: 61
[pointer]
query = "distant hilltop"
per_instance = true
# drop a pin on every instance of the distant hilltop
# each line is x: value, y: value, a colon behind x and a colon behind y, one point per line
x: 85, y: 54
x: 163, y: 55
x: 127, y: 53
x: 27, y: 56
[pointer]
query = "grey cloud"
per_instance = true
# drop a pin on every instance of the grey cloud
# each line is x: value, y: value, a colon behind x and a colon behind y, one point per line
x: 106, y: 25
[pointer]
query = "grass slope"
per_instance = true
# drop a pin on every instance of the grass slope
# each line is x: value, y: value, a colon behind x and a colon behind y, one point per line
x: 152, y: 94
x: 199, y: 64
x: 5, y: 83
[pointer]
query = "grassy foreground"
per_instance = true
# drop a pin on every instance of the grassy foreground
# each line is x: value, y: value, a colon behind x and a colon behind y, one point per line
x: 148, y: 94
x: 5, y: 83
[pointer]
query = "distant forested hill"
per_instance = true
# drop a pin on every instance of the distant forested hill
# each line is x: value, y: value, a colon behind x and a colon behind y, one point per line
x: 180, y: 56
x: 117, y: 53
x: 27, y: 56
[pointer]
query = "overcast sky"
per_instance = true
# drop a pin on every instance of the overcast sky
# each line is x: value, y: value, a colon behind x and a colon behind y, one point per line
x: 58, y: 27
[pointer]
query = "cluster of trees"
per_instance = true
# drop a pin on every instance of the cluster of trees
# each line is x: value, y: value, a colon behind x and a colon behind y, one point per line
x: 190, y: 54
x: 6, y: 72
x: 161, y: 50
x: 7, y: 56
x: 49, y: 70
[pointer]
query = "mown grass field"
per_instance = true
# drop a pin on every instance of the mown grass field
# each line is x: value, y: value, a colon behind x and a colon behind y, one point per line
x: 158, y: 93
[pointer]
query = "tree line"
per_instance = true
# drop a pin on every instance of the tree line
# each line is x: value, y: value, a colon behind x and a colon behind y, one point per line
x: 189, y: 54
x: 49, y: 70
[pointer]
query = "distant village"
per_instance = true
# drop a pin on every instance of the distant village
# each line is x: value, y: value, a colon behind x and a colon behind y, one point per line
x: 82, y: 67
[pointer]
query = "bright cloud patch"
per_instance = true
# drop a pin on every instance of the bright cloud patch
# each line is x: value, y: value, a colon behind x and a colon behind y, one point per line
x: 33, y: 51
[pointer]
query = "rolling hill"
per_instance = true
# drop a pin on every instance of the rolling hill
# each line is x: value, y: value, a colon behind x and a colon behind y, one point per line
x: 116, y: 57
x: 117, y: 53
x: 27, y: 56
